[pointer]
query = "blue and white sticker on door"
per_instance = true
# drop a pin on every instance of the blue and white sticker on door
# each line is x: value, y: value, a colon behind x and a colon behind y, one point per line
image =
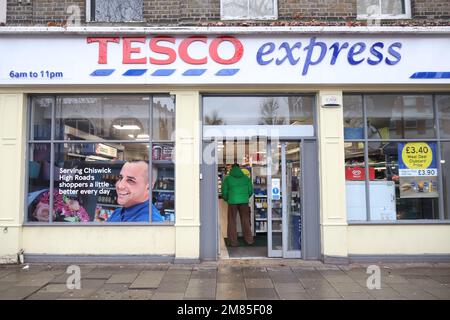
x: 276, y: 189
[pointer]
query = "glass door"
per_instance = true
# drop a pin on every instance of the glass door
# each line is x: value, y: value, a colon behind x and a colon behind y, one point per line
x: 284, y: 203
x: 276, y: 194
x: 292, y: 206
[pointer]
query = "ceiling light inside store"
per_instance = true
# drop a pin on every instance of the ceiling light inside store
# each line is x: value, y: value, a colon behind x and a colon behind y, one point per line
x: 126, y: 127
x: 131, y: 136
x: 142, y: 137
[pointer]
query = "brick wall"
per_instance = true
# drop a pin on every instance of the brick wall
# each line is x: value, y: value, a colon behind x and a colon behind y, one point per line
x: 161, y: 11
x: 19, y: 13
x: 201, y: 12
x: 431, y: 9
x: 320, y: 9
x: 45, y: 11
x: 42, y: 12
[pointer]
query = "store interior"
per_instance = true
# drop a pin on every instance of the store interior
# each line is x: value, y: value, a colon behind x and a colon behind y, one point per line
x: 251, y: 156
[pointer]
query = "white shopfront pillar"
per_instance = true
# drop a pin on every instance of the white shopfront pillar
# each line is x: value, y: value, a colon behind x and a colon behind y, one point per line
x: 187, y: 176
x: 332, y: 177
x: 12, y: 164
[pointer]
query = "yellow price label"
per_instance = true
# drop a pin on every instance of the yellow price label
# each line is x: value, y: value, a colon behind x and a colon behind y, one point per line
x: 417, y: 155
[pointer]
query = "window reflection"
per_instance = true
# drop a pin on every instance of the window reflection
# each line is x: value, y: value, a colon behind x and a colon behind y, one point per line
x: 289, y: 110
x: 112, y: 117
x: 163, y: 118
x: 445, y: 165
x: 41, y: 118
x: 353, y: 117
x: 443, y: 103
x: 355, y: 181
x: 400, y: 116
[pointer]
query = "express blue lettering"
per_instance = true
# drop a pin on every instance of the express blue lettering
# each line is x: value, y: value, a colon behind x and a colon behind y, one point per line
x: 310, y: 48
x: 262, y: 51
x: 337, y: 50
x: 354, y: 52
x: 264, y: 55
x: 289, y: 55
x: 394, y: 53
x: 376, y: 53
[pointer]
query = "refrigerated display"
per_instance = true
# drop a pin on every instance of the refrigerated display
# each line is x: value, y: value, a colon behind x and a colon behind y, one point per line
x: 382, y: 200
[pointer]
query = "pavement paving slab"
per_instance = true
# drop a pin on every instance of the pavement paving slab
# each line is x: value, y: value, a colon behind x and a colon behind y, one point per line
x: 230, y: 277
x: 200, y: 292
x: 122, y: 278
x: 439, y: 293
x: 226, y: 280
x: 148, y: 280
x: 289, y: 288
x: 261, y: 294
x: 167, y: 296
x: 231, y: 291
x: 258, y: 283
x: 322, y: 293
x: 294, y: 296
x: 18, y: 292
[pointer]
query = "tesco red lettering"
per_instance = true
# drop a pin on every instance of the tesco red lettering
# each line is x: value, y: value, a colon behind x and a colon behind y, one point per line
x: 238, y: 50
x: 183, y: 50
x: 132, y: 49
x: 103, y: 47
x: 169, y: 52
x: 128, y: 50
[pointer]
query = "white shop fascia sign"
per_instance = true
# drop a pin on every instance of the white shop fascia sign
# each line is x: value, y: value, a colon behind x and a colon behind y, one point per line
x: 234, y: 59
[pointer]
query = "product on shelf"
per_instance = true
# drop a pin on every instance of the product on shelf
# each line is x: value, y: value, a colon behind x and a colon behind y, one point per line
x: 260, y: 203
x: 162, y: 152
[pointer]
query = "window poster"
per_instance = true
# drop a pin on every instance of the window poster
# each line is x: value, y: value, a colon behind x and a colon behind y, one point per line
x: 418, y: 170
x: 276, y: 188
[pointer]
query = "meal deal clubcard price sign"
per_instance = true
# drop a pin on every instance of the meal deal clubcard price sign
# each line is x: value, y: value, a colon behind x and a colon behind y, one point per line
x: 418, y: 170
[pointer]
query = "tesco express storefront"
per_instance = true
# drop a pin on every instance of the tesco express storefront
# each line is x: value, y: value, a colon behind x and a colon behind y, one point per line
x: 345, y: 133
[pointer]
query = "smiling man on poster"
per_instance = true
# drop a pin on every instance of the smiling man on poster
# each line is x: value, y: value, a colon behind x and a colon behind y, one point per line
x: 133, y: 194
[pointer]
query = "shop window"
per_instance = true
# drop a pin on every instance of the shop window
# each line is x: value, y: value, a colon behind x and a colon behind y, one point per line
x: 443, y: 104
x: 102, y: 117
x: 266, y: 110
x: 400, y: 196
x: 355, y: 172
x: 402, y: 150
x: 100, y: 168
x: 353, y: 117
x: 400, y: 117
x: 383, y: 9
x: 248, y: 9
x: 114, y: 10
x: 41, y: 111
x: 445, y: 164
x: 163, y: 118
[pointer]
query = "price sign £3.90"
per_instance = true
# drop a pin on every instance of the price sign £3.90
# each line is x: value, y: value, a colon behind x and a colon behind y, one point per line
x: 417, y: 159
x: 418, y: 170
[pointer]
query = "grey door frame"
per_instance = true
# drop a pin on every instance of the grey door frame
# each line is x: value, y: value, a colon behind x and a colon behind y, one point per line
x: 209, y: 223
x: 310, y: 232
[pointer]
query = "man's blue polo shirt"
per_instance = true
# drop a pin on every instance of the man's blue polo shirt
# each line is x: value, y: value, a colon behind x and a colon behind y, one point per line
x: 137, y: 213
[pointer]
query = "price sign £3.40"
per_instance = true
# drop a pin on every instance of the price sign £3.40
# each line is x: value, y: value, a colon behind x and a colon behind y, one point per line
x: 417, y: 159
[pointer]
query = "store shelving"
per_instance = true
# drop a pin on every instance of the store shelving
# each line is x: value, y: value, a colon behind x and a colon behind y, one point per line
x: 260, y: 204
